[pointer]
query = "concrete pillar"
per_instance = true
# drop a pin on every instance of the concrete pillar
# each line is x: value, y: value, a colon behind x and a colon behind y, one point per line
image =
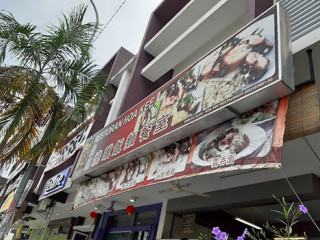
x: 255, y: 7
x: 119, y: 97
x: 162, y: 219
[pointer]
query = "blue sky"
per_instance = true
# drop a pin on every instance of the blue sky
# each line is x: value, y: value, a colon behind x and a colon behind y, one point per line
x: 126, y: 29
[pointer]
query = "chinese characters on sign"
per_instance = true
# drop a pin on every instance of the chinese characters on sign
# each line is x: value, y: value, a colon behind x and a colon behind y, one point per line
x: 239, y: 143
x: 69, y: 149
x: 242, y: 67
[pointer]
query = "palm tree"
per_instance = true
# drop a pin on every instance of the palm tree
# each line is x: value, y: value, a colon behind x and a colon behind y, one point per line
x: 55, y: 87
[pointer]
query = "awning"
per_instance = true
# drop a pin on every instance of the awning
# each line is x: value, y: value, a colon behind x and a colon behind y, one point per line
x: 8, y: 201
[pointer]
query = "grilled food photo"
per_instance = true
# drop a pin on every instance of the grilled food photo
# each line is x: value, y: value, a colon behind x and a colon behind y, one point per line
x: 255, y: 65
x: 232, y: 141
x: 247, y: 53
x: 212, y: 66
x: 258, y: 43
x: 233, y: 59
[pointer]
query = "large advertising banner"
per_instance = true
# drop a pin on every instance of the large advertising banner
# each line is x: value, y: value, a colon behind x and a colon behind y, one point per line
x: 196, y: 99
x: 252, y: 140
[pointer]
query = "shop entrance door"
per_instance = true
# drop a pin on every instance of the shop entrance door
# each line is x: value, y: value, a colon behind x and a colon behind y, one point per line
x: 139, y: 235
x: 138, y: 226
x: 142, y: 225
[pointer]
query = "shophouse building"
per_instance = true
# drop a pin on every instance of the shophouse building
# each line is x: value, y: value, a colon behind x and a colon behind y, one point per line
x: 194, y: 136
x: 50, y: 214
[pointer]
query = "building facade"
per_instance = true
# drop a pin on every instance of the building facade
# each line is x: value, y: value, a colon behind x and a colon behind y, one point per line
x: 187, y: 44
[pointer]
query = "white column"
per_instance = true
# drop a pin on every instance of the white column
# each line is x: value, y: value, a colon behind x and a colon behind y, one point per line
x: 119, y: 97
x: 162, y: 219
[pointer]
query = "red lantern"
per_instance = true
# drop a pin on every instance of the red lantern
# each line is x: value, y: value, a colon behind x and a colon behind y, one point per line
x: 93, y: 215
x: 130, y: 209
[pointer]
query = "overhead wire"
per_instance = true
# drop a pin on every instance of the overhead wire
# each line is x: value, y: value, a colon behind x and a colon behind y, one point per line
x: 296, y: 194
x: 105, y: 26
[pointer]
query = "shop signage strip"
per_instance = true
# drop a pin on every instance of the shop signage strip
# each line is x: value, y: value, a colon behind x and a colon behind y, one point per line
x: 70, y: 148
x: 7, y: 202
x: 244, y: 72
x: 252, y: 140
x: 56, y: 182
x: 13, y: 203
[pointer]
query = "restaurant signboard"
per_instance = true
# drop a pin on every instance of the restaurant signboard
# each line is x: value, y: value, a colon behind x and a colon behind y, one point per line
x: 252, y: 140
x: 251, y: 68
x: 56, y: 182
x: 57, y: 157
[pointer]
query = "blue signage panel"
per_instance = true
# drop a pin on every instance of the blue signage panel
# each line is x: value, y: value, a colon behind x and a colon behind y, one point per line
x: 56, y: 182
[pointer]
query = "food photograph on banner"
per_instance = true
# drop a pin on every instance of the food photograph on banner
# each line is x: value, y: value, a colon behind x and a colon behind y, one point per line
x: 133, y: 173
x: 170, y: 160
x: 243, y: 142
x: 252, y: 140
x: 83, y: 193
x: 242, y: 73
x: 105, y: 184
x: 242, y: 62
x: 222, y: 113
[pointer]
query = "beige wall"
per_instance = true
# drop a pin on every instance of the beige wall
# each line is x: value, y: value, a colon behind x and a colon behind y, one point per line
x: 177, y: 229
x: 88, y: 221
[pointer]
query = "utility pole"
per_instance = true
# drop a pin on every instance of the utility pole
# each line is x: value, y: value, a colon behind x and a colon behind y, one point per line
x: 97, y: 20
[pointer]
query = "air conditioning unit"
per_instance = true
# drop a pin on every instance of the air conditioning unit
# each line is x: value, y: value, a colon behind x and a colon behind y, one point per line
x: 43, y: 204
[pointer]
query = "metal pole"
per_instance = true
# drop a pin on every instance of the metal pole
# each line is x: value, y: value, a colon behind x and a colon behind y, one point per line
x: 97, y: 20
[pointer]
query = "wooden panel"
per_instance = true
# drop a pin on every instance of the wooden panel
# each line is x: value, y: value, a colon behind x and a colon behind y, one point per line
x: 303, y: 117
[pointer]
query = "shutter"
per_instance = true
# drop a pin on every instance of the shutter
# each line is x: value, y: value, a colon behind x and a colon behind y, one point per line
x: 304, y: 16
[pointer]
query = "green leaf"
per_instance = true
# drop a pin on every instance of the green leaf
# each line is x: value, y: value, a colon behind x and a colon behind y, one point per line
x: 290, y: 208
x: 277, y: 211
x: 60, y: 55
x: 282, y: 221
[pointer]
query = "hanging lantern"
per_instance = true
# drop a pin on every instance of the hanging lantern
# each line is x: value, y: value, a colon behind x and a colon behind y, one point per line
x: 130, y: 210
x: 93, y: 215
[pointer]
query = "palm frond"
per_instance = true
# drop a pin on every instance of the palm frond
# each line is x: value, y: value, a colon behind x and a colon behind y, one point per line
x: 53, y: 133
x: 70, y: 39
x: 19, y: 39
x: 82, y: 85
x: 55, y: 88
